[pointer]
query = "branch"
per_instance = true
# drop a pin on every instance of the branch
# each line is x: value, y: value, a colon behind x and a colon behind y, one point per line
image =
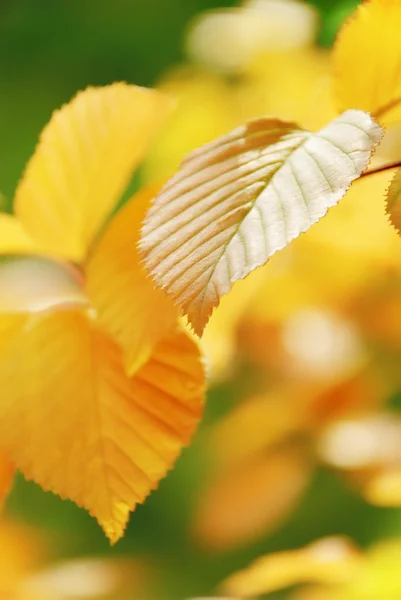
x: 381, y: 168
x: 378, y: 114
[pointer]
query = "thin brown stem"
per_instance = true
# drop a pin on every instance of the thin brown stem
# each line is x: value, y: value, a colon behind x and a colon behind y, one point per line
x: 381, y: 168
x: 378, y: 114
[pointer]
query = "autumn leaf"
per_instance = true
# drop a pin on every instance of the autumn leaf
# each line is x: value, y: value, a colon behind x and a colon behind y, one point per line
x: 250, y: 500
x: 393, y: 207
x: 238, y: 200
x: 332, y: 560
x: 128, y: 306
x: 72, y: 421
x: 84, y: 160
x: 7, y: 471
x: 366, y: 59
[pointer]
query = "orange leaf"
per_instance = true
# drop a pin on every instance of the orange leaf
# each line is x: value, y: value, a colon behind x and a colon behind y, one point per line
x: 7, y: 471
x: 367, y: 57
x: 238, y: 200
x: 250, y: 500
x: 128, y: 306
x: 84, y: 160
x: 73, y: 422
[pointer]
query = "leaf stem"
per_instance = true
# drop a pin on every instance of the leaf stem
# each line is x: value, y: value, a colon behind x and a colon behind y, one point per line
x: 381, y: 168
x: 378, y: 114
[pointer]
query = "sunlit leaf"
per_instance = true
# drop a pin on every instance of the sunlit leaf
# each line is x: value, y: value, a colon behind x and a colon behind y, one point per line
x: 127, y: 304
x: 30, y: 283
x: 73, y: 422
x: 239, y: 199
x: 7, y: 471
x: 329, y: 560
x: 83, y: 162
x: 250, y: 500
x: 393, y: 207
x: 367, y: 57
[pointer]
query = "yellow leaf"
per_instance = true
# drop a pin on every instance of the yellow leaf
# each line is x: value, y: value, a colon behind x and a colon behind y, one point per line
x: 393, y: 207
x: 72, y: 421
x: 250, y: 500
x: 329, y: 560
x: 7, y: 471
x: 257, y: 423
x: 238, y: 200
x: 367, y: 57
x: 203, y: 111
x: 13, y: 238
x: 83, y: 162
x: 22, y: 551
x: 384, y: 488
x: 128, y: 306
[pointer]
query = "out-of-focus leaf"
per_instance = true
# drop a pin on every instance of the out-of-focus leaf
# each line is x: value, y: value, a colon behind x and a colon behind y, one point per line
x: 250, y: 500
x: 220, y: 336
x: 128, y: 306
x: 256, y: 424
x: 83, y: 162
x: 7, y: 472
x: 366, y: 59
x: 89, y: 578
x: 393, y: 207
x: 378, y: 575
x: 357, y: 235
x: 384, y: 488
x: 227, y: 40
x: 13, y: 238
x: 267, y: 88
x: 366, y: 443
x: 328, y: 561
x: 73, y: 422
x: 22, y: 550
x: 238, y: 200
x: 204, y: 109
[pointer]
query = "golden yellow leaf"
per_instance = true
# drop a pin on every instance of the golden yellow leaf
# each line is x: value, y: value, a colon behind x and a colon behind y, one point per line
x: 329, y: 560
x: 393, y: 207
x: 7, y: 471
x: 384, y: 488
x: 257, y: 423
x: 203, y: 110
x: 13, y: 238
x: 128, y: 306
x: 251, y: 499
x: 72, y: 420
x: 22, y: 550
x: 238, y: 200
x: 83, y: 162
x: 367, y: 57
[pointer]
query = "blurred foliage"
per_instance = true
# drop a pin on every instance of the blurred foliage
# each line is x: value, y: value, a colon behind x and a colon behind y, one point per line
x: 49, y: 50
